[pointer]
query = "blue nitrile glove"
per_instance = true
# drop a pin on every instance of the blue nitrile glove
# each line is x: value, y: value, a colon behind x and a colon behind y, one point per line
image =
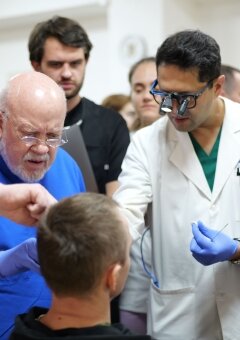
x: 208, y: 249
x: 20, y: 258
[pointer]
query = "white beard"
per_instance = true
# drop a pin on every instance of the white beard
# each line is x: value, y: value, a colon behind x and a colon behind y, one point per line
x: 28, y: 177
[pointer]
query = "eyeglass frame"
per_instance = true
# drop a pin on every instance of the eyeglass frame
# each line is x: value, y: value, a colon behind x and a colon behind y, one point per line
x: 31, y: 140
x: 177, y: 96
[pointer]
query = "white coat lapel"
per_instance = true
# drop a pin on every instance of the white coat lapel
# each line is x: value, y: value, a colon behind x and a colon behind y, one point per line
x: 183, y: 156
x: 229, y: 149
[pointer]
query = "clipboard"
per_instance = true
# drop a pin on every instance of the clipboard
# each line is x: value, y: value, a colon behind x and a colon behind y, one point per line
x: 77, y: 149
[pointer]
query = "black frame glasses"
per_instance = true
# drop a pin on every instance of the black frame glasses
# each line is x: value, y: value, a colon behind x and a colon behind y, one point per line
x: 189, y: 97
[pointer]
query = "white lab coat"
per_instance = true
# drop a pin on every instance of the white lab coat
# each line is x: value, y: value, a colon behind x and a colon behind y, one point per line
x: 161, y: 166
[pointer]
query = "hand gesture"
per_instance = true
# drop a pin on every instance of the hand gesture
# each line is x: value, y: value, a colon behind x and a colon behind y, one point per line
x: 209, y: 246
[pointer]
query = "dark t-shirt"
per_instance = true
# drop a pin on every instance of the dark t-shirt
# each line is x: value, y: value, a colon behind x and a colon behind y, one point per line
x: 106, y: 137
x: 28, y: 327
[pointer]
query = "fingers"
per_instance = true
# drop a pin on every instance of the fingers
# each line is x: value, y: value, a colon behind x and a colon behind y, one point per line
x: 194, y: 247
x: 36, y: 210
x: 205, y: 231
x: 201, y: 259
x: 200, y: 238
x: 31, y: 243
x: 40, y: 202
x: 40, y: 196
x: 31, y: 246
x: 50, y: 200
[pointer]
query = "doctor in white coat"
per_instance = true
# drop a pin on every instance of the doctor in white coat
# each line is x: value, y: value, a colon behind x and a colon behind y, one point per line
x: 187, y: 164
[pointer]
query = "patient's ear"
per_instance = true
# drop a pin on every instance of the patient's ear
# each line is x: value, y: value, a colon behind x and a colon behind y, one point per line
x: 113, y: 277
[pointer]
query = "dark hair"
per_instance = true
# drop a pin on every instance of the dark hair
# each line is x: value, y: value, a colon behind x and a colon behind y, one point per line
x: 116, y: 101
x: 135, y: 66
x: 67, y: 31
x: 191, y: 49
x: 78, y: 239
x: 229, y: 83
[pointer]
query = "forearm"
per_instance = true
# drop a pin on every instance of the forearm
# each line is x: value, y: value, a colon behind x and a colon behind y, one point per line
x: 111, y: 187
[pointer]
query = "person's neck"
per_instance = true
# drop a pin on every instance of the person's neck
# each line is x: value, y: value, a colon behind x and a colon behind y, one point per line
x: 73, y: 102
x: 77, y: 312
x: 206, y: 134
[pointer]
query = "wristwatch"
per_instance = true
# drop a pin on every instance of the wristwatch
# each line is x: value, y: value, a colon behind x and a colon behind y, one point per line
x: 238, y: 260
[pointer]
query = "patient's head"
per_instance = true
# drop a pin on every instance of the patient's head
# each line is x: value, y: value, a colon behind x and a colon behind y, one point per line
x: 83, y: 245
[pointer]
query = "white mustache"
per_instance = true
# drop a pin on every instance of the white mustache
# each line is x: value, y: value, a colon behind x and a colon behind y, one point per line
x: 34, y: 158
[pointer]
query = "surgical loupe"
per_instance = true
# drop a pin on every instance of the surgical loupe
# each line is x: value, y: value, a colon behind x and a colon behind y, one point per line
x: 166, y: 105
x: 183, y: 107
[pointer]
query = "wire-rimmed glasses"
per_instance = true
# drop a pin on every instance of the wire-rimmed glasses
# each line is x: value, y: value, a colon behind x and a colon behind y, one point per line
x: 30, y: 140
x: 52, y: 142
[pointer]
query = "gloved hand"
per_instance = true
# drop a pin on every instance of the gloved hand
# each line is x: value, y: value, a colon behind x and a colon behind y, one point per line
x: 208, y: 249
x: 20, y: 258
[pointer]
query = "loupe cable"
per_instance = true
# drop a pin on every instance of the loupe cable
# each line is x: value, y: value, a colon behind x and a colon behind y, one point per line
x: 150, y: 274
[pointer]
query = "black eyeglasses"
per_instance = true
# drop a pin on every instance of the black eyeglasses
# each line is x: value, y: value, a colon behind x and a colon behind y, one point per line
x: 190, y: 98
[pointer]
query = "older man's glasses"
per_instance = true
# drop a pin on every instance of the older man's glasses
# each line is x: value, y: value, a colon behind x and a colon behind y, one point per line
x: 187, y: 100
x: 52, y: 142
x: 30, y: 140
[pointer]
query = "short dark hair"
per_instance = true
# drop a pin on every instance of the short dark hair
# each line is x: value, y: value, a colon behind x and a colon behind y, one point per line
x: 78, y: 239
x: 229, y: 83
x: 135, y: 66
x: 66, y: 30
x: 191, y: 49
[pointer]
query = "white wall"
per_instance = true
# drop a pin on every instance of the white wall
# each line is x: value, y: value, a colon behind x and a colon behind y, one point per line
x: 19, y: 17
x: 219, y: 18
x: 120, y: 30
x: 133, y: 30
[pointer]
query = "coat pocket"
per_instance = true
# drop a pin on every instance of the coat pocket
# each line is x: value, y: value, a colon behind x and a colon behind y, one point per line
x: 171, y: 314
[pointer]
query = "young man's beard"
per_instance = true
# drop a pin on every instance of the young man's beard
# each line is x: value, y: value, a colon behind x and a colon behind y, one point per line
x: 75, y: 92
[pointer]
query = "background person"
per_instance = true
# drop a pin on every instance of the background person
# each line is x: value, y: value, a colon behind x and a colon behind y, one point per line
x: 85, y: 260
x: 32, y: 113
x: 231, y: 86
x: 186, y: 164
x: 122, y: 104
x: 60, y: 48
x: 141, y: 76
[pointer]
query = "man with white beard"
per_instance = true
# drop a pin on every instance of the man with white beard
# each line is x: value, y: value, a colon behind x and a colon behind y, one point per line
x: 32, y: 113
